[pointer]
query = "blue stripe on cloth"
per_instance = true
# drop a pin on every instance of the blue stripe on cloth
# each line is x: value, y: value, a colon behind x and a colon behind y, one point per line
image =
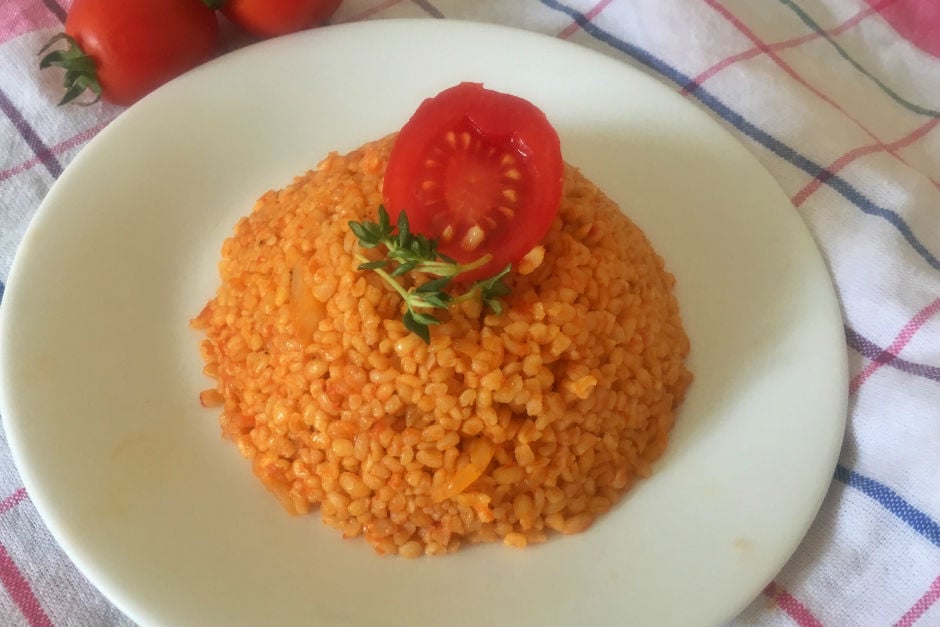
x: 762, y: 137
x: 907, y: 104
x: 891, y: 501
x: 875, y: 353
x: 30, y: 136
x: 1, y: 290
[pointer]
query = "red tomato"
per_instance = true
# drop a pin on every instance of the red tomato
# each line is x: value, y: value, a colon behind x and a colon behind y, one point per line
x: 136, y: 45
x: 480, y: 171
x: 269, y: 18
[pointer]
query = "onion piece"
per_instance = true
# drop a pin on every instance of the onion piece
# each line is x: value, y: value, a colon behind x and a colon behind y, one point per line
x: 481, y: 452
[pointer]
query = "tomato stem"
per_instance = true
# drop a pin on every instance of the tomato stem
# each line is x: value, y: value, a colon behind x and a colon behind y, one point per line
x: 81, y: 73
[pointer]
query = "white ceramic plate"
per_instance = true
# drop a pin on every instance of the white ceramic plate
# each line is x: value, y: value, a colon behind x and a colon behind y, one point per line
x: 100, y: 372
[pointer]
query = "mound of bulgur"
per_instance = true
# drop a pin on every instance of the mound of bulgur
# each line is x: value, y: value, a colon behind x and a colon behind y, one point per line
x: 503, y: 428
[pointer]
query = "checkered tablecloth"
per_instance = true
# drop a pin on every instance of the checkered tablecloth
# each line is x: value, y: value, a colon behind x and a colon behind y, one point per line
x: 839, y: 99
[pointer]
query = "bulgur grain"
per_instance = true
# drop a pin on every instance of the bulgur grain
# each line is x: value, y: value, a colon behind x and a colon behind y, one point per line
x: 503, y: 428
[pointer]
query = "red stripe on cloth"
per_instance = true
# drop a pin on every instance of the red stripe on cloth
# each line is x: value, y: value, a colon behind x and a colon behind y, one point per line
x: 918, y: 21
x: 783, y: 45
x: 789, y: 604
x: 11, y: 501
x: 810, y: 188
x: 21, y: 592
x: 57, y: 149
x: 923, y: 604
x: 898, y: 344
x: 17, y: 18
x: 381, y: 6
x: 590, y: 15
x: 747, y: 32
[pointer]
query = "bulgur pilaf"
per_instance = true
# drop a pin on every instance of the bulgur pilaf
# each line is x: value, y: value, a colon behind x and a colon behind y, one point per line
x: 503, y: 428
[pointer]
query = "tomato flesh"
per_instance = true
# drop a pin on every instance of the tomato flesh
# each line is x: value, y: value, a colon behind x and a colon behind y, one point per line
x: 478, y: 170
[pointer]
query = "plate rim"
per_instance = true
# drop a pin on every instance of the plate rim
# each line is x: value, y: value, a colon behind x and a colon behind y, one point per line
x: 102, y: 139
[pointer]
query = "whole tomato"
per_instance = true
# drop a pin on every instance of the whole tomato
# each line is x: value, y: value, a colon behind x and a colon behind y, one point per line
x: 269, y: 18
x: 122, y: 50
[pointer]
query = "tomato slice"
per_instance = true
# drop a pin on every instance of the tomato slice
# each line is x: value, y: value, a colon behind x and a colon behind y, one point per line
x: 478, y: 170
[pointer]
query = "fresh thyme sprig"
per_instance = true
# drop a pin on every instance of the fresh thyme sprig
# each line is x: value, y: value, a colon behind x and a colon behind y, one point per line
x: 412, y: 252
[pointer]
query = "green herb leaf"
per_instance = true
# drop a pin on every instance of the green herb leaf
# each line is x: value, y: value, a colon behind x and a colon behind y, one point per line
x: 384, y: 221
x: 440, y: 301
x: 492, y: 289
x: 419, y: 329
x: 372, y: 265
x: 404, y: 268
x: 362, y: 233
x: 425, y: 319
x: 434, y: 285
x: 404, y: 231
x: 408, y: 252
